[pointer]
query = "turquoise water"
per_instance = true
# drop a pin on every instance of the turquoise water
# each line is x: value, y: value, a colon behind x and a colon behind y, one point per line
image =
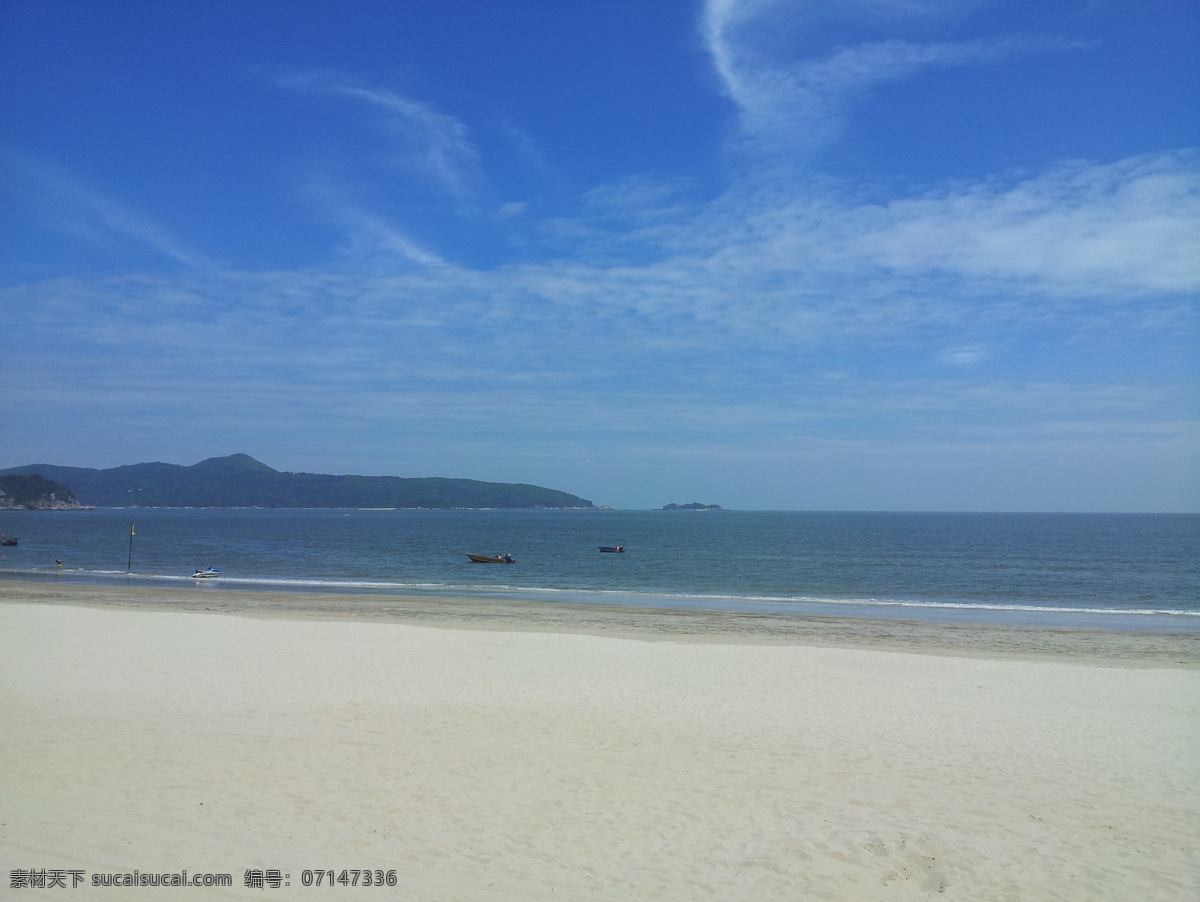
x: 1115, y: 570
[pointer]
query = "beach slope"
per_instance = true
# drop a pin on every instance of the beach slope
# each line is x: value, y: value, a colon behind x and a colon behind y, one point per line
x: 509, y: 764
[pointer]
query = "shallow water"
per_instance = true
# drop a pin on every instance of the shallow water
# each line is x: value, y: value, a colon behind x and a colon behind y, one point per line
x: 1116, y: 570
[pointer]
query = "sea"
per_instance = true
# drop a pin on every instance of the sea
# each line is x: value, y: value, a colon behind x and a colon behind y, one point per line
x: 1096, y: 571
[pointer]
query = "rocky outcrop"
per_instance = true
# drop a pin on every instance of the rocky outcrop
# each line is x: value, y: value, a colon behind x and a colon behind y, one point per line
x: 31, y: 492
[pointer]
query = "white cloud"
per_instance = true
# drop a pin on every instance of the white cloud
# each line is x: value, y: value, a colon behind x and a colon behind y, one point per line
x: 434, y: 143
x: 67, y: 206
x: 777, y: 267
x: 751, y: 269
x: 512, y: 209
x: 1131, y: 227
x: 786, y: 104
x: 966, y: 356
x: 370, y: 234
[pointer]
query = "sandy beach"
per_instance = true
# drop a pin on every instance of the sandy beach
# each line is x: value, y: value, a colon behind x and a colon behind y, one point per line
x: 466, y: 750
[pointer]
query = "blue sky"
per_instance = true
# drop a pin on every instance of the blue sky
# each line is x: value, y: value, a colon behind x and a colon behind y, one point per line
x: 856, y: 254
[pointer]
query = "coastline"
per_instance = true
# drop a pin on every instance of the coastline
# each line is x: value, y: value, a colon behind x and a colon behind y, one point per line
x: 503, y: 751
x: 678, y: 624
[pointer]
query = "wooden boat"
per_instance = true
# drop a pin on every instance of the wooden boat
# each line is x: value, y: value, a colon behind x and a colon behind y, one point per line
x: 492, y: 558
x: 8, y: 540
x: 613, y: 549
x: 206, y: 574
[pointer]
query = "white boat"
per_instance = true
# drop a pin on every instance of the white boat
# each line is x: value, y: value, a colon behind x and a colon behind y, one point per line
x: 206, y: 574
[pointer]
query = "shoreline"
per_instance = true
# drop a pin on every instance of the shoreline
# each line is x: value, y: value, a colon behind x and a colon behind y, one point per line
x: 1027, y: 614
x: 650, y: 624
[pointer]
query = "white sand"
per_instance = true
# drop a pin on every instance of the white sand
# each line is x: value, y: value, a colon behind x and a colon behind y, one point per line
x: 506, y: 765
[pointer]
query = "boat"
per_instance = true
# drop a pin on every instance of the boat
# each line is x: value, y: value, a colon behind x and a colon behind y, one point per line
x: 613, y: 549
x: 8, y: 540
x: 206, y: 574
x: 492, y: 558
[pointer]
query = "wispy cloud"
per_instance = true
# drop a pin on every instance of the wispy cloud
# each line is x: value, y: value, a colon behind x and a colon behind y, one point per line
x: 67, y: 205
x: 434, y: 144
x: 799, y: 104
x: 781, y: 266
x: 965, y: 356
x: 367, y: 235
x: 1131, y: 227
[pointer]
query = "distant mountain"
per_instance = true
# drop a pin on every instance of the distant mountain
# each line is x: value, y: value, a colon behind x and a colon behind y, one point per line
x: 694, y: 506
x: 241, y: 481
x: 35, y: 493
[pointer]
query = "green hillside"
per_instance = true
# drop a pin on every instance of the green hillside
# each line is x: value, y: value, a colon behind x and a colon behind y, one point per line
x: 34, y: 492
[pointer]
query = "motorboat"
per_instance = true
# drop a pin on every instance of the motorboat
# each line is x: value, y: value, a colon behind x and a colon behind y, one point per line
x: 206, y: 574
x: 492, y: 558
x: 613, y: 549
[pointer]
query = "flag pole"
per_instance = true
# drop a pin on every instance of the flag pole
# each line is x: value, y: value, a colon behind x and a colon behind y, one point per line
x: 129, y: 562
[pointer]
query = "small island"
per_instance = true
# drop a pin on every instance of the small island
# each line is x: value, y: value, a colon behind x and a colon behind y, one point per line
x: 694, y: 506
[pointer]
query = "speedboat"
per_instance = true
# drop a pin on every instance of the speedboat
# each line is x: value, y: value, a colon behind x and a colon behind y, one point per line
x: 613, y: 549
x: 206, y: 574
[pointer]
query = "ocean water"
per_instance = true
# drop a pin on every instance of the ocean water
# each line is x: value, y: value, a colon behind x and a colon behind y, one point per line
x: 1097, y: 570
